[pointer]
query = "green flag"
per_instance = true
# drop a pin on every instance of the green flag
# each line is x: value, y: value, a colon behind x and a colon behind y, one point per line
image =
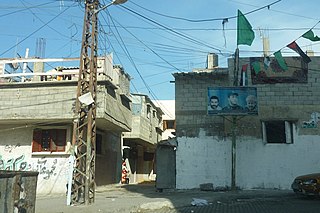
x: 280, y: 60
x: 310, y: 35
x: 256, y: 67
x: 245, y: 34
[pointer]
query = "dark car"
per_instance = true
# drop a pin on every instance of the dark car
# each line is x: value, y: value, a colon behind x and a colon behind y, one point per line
x: 307, y: 184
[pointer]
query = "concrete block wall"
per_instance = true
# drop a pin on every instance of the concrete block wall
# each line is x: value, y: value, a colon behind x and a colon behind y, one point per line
x: 191, y: 103
x: 36, y: 102
x: 112, y: 109
x: 143, y: 125
x: 42, y: 101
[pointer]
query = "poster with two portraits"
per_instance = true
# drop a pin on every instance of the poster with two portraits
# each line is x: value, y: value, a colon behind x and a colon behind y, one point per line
x: 232, y: 101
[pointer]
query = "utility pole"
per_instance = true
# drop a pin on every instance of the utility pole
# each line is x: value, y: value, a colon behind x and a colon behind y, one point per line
x: 234, y: 127
x: 84, y: 127
x: 84, y: 130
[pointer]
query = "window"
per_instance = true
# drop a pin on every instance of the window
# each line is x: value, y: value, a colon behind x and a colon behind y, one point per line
x: 148, y: 156
x: 278, y: 131
x: 49, y: 140
x: 99, y: 144
x: 148, y: 110
x: 169, y: 124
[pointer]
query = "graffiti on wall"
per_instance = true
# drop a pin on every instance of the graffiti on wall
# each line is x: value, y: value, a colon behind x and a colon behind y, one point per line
x: 46, y: 168
x: 10, y: 148
x: 313, y: 122
x: 15, y: 164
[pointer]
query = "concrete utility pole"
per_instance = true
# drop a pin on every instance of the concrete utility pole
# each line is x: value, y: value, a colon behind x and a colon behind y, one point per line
x: 84, y: 131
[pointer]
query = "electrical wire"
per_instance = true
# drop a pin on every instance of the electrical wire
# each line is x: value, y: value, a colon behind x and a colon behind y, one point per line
x: 25, y: 8
x: 134, y: 65
x: 35, y: 15
x: 181, y: 35
x: 37, y: 30
x: 206, y: 20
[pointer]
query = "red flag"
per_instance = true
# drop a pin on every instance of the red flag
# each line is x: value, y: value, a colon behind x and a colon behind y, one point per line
x: 294, y: 46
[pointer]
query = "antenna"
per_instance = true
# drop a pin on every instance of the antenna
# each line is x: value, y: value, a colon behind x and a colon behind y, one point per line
x: 40, y: 48
x: 61, y: 4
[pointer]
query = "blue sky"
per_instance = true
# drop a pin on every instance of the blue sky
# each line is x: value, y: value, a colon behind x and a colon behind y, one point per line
x: 153, y: 39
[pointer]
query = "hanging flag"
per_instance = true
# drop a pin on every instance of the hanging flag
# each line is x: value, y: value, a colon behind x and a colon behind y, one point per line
x: 282, y: 63
x: 244, y: 77
x: 245, y: 34
x: 294, y: 46
x: 256, y: 67
x: 266, y: 62
x: 310, y: 35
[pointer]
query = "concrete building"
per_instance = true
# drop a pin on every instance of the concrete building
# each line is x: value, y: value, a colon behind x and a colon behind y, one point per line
x: 273, y: 147
x: 141, y: 142
x: 168, y: 118
x: 37, y: 116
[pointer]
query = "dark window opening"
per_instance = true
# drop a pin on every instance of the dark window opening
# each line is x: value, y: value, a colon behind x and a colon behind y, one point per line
x: 278, y: 131
x: 148, y: 111
x: 169, y: 124
x: 148, y: 156
x: 98, y: 144
x: 49, y: 140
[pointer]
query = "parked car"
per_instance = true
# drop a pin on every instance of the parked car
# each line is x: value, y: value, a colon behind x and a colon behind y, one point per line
x: 307, y: 184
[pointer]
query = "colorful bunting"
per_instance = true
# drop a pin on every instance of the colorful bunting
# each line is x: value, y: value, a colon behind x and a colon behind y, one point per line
x: 282, y: 63
x: 294, y: 46
x: 245, y: 34
x: 310, y: 35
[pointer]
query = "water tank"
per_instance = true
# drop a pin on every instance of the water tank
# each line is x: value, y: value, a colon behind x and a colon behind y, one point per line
x: 310, y: 53
x: 212, y: 61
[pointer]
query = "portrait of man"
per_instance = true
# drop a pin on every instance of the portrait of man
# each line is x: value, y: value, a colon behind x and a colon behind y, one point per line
x: 251, y: 103
x: 214, y: 103
x: 233, y: 102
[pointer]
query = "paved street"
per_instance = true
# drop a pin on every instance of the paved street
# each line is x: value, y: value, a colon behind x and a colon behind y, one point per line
x: 262, y: 205
x: 145, y: 199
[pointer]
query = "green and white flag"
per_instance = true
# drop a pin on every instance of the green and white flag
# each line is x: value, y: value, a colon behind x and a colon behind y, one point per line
x: 245, y: 34
x: 310, y: 35
x: 282, y: 63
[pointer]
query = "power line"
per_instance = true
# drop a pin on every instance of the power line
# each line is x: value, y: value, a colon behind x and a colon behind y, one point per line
x: 286, y: 13
x: 206, y: 20
x: 215, y: 29
x: 128, y: 55
x: 186, y: 37
x: 25, y: 8
x: 63, y: 35
x: 34, y: 32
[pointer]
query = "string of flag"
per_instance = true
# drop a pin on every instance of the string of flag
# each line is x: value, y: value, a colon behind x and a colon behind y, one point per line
x: 245, y: 36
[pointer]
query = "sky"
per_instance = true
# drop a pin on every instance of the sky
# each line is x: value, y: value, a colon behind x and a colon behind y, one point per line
x: 152, y: 40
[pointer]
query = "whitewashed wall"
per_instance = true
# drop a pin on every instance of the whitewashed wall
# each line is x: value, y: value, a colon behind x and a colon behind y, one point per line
x: 53, y: 171
x: 206, y: 159
x: 15, y: 154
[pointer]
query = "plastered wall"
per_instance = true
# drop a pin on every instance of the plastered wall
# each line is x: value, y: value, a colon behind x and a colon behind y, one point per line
x: 206, y: 159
